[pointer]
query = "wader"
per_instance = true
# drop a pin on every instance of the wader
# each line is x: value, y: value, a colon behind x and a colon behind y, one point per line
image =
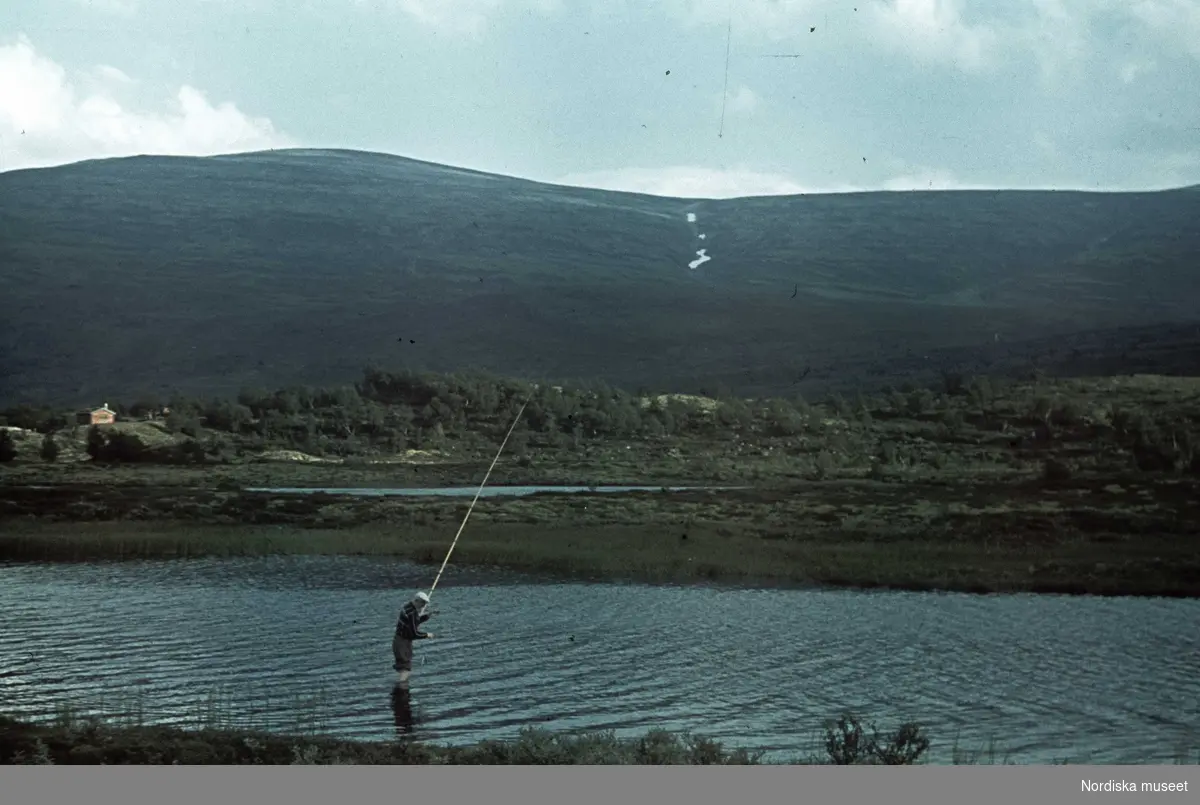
x: 402, y: 650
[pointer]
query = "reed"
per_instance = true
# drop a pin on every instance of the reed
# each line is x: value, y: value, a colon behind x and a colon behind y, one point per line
x: 699, y: 552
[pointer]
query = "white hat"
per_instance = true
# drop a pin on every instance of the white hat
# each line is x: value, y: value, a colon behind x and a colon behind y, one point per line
x: 422, y: 597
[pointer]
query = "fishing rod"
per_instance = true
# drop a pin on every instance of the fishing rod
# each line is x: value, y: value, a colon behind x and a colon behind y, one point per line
x: 478, y: 492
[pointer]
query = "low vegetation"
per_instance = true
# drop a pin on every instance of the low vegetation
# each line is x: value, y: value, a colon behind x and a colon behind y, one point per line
x: 1082, y: 485
x: 1105, y: 424
x: 70, y: 740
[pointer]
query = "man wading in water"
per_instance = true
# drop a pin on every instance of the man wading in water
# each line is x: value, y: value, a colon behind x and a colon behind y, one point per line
x: 408, y: 629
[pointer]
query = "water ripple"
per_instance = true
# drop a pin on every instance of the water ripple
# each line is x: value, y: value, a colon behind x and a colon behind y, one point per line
x: 300, y: 642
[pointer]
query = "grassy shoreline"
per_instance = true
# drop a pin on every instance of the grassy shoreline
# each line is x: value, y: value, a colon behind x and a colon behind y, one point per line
x: 71, y: 740
x: 614, y: 552
x: 68, y: 740
x: 1089, y: 486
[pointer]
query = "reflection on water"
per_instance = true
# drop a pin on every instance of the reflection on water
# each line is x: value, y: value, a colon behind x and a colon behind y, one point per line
x: 402, y: 711
x: 297, y: 643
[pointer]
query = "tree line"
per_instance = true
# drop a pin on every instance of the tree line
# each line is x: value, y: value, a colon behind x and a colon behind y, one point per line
x: 397, y: 410
x: 391, y: 411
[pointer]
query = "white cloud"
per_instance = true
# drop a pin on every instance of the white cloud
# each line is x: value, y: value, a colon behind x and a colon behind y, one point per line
x: 122, y: 8
x: 1044, y: 143
x: 1177, y: 170
x: 928, y: 179
x: 776, y: 19
x: 1062, y: 31
x: 933, y: 31
x: 968, y: 35
x: 690, y: 181
x: 108, y: 73
x: 45, y: 119
x: 1058, y: 35
x: 1175, y: 20
x: 1131, y: 70
x: 469, y: 17
x: 930, y: 31
x: 739, y: 101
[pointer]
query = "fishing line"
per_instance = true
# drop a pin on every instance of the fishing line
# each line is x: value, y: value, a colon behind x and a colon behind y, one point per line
x: 725, y: 92
x: 478, y: 492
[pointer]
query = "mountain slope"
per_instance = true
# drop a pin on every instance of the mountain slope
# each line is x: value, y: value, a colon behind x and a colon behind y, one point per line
x: 302, y: 266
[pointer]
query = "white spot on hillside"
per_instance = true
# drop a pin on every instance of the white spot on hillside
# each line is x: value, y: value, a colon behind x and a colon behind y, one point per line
x: 701, y: 257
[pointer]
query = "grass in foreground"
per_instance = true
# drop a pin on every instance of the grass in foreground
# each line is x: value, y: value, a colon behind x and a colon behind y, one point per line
x: 71, y: 741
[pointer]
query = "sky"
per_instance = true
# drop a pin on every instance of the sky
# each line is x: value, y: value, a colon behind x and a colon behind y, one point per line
x: 692, y: 98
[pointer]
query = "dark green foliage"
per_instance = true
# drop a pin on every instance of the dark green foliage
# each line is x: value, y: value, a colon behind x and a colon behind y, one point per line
x: 118, y: 447
x: 93, y: 742
x: 782, y: 419
x: 387, y: 411
x: 49, y: 451
x: 954, y: 383
x: 96, y: 443
x: 848, y: 742
x: 111, y: 445
x: 8, y: 449
x: 1055, y: 471
x: 42, y: 419
x: 953, y: 420
x: 1067, y: 415
x: 1158, y: 443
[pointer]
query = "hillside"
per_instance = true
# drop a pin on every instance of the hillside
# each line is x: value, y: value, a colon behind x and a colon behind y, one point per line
x: 151, y: 273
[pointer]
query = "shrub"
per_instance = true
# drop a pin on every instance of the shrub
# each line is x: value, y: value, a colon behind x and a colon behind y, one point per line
x: 1055, y: 471
x: 8, y: 449
x: 49, y: 448
x: 848, y: 742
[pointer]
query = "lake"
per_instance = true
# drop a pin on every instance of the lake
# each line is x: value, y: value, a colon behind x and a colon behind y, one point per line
x: 296, y: 642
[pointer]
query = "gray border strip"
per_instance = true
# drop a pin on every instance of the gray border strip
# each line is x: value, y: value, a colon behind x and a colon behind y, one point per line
x: 929, y: 785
